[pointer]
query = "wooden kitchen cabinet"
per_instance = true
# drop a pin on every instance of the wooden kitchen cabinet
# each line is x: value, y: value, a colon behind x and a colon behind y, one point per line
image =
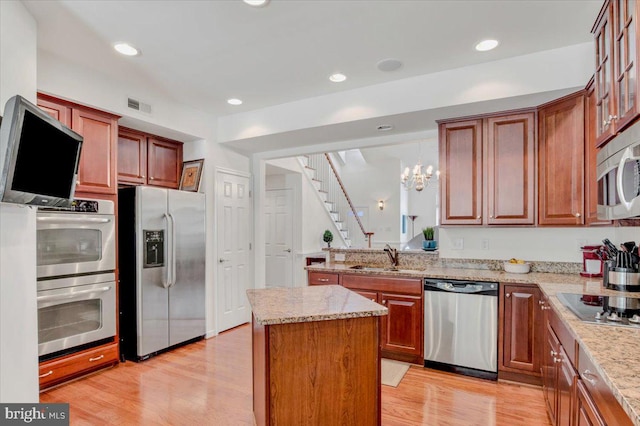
x: 323, y: 278
x: 590, y: 160
x: 520, y: 335
x: 62, y: 369
x: 488, y: 170
x: 558, y: 381
x: 617, y: 78
x: 145, y: 159
x: 586, y: 411
x: 402, y: 330
x: 561, y: 161
x: 97, y: 169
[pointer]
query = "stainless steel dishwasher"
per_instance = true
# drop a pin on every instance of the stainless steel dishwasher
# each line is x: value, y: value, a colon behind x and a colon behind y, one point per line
x: 461, y: 327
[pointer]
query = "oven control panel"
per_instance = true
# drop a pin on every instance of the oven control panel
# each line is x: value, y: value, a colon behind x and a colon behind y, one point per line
x: 153, y: 248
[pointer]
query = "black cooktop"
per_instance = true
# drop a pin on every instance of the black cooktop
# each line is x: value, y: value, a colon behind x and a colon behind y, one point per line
x: 608, y: 310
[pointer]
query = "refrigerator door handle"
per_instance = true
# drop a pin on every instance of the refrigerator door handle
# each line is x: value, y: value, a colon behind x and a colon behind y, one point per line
x: 173, y: 250
x: 166, y: 283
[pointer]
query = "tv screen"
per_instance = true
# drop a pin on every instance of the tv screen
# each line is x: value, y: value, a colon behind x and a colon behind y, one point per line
x: 41, y: 156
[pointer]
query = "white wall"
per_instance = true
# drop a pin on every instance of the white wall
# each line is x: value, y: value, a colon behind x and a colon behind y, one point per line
x: 18, y: 309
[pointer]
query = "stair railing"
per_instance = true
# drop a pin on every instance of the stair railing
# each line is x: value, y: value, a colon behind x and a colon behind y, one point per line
x: 331, y: 183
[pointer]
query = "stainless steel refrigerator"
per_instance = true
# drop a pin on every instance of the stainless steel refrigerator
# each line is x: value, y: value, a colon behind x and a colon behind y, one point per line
x: 161, y: 244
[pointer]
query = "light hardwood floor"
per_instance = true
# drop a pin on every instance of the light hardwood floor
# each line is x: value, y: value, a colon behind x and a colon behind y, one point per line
x: 209, y: 383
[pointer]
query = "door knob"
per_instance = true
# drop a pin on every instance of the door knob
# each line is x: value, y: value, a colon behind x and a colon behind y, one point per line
x: 287, y: 250
x: 221, y: 260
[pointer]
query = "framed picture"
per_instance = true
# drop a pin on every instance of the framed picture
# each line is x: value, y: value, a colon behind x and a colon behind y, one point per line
x: 191, y: 174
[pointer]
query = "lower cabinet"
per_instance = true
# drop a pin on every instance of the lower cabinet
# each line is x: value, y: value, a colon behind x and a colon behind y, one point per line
x: 59, y: 370
x: 323, y: 278
x: 520, y: 333
x: 574, y: 398
x: 402, y: 332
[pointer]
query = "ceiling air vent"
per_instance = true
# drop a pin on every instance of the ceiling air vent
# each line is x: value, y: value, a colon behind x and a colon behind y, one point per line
x: 138, y: 106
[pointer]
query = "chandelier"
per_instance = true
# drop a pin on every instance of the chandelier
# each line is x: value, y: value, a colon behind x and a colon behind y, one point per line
x: 417, y: 179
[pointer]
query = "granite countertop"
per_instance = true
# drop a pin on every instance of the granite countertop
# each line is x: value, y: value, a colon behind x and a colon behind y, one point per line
x: 612, y: 349
x: 306, y: 304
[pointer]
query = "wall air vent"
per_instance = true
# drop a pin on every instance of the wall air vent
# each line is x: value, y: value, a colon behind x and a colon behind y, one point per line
x: 138, y: 106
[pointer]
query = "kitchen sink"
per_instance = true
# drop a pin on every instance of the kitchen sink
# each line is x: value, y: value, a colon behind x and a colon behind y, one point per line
x: 380, y: 269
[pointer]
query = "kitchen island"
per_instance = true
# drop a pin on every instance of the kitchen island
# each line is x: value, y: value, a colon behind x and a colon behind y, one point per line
x: 316, y: 356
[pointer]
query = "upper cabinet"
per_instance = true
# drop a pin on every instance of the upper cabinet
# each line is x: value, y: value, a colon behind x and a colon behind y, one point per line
x: 97, y: 170
x: 147, y: 159
x: 561, y: 161
x: 488, y: 170
x: 616, y: 75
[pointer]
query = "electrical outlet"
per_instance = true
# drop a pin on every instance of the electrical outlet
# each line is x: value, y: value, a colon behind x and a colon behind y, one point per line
x: 457, y: 244
x: 339, y: 257
x: 484, y: 244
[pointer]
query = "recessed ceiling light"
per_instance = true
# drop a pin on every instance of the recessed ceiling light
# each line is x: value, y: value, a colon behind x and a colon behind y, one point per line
x: 126, y: 49
x: 384, y: 127
x: 234, y: 101
x: 256, y: 3
x: 485, y: 45
x: 388, y: 65
x: 337, y: 77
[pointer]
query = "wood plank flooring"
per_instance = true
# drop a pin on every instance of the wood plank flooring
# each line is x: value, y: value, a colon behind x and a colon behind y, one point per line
x: 209, y: 383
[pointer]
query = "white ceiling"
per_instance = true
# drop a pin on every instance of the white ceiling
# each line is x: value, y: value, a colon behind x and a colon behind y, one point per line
x: 200, y: 53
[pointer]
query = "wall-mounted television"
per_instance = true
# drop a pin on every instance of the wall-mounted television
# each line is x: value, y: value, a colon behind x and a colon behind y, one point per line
x: 39, y: 156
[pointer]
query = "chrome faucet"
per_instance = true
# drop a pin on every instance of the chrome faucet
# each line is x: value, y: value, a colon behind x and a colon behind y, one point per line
x: 393, y: 255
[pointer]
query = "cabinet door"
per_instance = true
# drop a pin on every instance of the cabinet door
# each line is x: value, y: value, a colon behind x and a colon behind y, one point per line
x: 402, y: 327
x: 510, y: 169
x: 132, y: 157
x: 60, y: 112
x: 550, y: 371
x: 625, y: 55
x: 566, y: 378
x: 590, y: 158
x: 164, y: 162
x: 586, y: 412
x: 460, y: 152
x: 603, y: 76
x: 98, y: 157
x: 522, y: 329
x: 561, y: 161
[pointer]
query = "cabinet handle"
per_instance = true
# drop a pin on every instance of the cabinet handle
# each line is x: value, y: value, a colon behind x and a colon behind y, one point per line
x: 98, y: 358
x: 553, y: 353
x: 151, y: 178
x: 478, y: 217
x: 78, y: 182
x: 578, y: 215
x: 557, y: 360
x: 540, y: 302
x: 507, y: 295
x: 323, y: 280
x: 590, y: 377
x: 490, y: 216
x: 46, y: 374
x: 384, y: 302
x: 143, y: 176
x: 373, y: 300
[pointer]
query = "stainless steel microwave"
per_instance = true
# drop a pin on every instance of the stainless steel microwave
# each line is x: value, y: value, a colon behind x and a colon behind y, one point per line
x: 618, y: 172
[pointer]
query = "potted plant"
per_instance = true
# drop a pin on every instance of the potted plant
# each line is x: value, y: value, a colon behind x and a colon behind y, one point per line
x: 428, y: 242
x: 327, y: 237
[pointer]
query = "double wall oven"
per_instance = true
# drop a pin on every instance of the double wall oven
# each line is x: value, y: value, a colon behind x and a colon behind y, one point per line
x: 76, y: 258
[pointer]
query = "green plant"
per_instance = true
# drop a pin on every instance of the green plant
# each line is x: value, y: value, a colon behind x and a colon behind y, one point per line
x: 428, y: 233
x: 327, y: 237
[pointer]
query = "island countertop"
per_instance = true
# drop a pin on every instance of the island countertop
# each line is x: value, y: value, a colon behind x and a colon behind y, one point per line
x: 306, y: 304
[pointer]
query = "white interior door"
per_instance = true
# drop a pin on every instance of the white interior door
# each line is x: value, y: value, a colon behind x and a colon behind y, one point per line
x: 278, y: 211
x: 233, y: 229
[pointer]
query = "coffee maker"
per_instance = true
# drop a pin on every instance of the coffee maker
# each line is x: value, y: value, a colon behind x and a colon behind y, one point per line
x: 593, y: 259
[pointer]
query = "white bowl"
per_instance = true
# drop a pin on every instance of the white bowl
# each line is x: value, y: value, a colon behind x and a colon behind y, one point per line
x: 517, y: 268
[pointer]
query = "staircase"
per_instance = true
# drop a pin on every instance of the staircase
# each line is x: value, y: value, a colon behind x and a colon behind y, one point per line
x: 320, y: 170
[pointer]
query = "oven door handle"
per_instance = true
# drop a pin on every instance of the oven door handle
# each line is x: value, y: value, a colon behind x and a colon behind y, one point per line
x: 73, y: 219
x: 166, y: 282
x: 72, y: 295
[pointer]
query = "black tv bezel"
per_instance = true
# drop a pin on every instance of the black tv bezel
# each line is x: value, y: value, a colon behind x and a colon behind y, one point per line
x: 10, y: 133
